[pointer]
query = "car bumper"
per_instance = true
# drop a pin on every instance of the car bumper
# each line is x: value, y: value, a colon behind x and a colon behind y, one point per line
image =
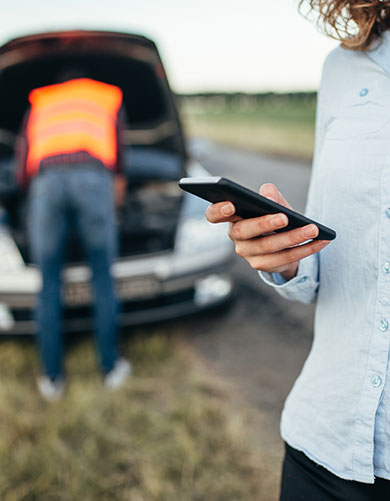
x: 150, y: 289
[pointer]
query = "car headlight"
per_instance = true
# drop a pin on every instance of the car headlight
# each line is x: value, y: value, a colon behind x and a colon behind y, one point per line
x: 10, y: 257
x: 197, y: 234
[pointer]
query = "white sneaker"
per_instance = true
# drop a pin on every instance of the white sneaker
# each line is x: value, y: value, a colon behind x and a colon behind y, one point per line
x: 51, y: 390
x: 118, y: 375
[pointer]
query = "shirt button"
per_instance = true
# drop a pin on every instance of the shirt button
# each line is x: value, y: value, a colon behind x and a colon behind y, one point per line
x: 363, y: 92
x: 383, y: 325
x: 385, y: 300
x: 376, y: 381
x: 386, y: 267
x: 387, y: 212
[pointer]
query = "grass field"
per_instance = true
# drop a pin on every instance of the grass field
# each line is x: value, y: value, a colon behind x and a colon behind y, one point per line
x: 278, y: 126
x: 168, y: 435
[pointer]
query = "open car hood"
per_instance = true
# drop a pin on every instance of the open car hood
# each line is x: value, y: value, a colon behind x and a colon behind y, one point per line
x: 129, y: 61
x: 154, y: 156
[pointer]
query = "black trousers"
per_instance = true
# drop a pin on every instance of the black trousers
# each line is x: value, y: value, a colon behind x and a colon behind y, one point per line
x: 304, y: 480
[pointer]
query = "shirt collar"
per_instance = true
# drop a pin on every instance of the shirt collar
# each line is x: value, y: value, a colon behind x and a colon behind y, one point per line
x: 380, y: 53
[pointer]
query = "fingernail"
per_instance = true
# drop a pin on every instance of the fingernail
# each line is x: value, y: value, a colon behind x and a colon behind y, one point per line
x: 310, y: 231
x: 227, y: 209
x: 279, y: 220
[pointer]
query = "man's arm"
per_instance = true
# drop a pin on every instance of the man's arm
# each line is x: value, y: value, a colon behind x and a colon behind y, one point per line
x: 120, y: 180
x: 21, y: 151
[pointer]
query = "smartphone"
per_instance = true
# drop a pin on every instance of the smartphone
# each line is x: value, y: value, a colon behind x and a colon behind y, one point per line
x: 248, y: 203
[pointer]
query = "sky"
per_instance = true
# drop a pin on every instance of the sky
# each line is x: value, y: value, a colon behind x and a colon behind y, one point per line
x: 241, y: 45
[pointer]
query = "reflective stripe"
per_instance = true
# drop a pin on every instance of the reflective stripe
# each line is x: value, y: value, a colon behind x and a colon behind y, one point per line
x: 78, y: 115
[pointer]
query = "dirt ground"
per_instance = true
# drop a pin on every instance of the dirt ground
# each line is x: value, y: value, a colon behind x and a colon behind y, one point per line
x: 258, y: 344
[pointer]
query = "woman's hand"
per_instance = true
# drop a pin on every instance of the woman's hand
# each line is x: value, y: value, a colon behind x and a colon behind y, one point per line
x: 256, y: 241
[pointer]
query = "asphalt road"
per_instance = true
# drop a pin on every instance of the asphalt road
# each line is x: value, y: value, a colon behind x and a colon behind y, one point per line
x: 258, y: 344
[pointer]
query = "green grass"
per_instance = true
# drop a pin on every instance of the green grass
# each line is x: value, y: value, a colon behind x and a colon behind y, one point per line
x: 277, y: 126
x: 169, y: 434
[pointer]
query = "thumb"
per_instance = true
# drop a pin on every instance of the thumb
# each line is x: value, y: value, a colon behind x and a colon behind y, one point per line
x: 269, y: 190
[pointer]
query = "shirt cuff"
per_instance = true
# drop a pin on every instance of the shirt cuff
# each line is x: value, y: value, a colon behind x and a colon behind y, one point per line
x: 277, y: 280
x: 303, y: 287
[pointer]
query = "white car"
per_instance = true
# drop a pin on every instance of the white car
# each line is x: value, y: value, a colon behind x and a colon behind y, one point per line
x: 172, y: 261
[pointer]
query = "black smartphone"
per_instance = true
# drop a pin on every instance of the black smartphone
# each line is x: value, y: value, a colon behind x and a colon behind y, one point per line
x: 248, y: 203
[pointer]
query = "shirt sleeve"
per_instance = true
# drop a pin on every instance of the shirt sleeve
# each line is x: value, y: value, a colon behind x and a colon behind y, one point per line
x: 304, y: 286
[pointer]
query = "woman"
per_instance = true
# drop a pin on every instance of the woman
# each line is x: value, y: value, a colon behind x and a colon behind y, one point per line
x: 336, y: 420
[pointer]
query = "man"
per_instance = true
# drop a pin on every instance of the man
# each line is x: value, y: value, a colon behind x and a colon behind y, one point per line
x: 69, y: 160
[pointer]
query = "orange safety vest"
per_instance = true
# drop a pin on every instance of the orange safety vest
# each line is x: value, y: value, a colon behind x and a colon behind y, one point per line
x: 70, y: 117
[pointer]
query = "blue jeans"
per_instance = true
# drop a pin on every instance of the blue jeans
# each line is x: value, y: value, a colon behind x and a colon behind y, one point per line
x: 60, y: 199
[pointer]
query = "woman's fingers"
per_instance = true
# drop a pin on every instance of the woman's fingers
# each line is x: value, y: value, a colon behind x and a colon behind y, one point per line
x: 221, y: 212
x: 276, y: 242
x: 258, y: 241
x: 278, y: 261
x: 254, y: 227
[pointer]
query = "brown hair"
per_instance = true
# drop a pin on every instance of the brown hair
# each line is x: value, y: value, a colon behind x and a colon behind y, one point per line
x: 356, y: 23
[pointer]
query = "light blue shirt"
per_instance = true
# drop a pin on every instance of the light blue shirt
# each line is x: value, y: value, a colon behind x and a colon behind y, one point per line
x: 338, y: 412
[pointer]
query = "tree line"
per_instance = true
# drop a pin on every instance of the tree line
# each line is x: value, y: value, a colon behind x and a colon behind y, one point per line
x: 231, y: 96
x: 244, y: 101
